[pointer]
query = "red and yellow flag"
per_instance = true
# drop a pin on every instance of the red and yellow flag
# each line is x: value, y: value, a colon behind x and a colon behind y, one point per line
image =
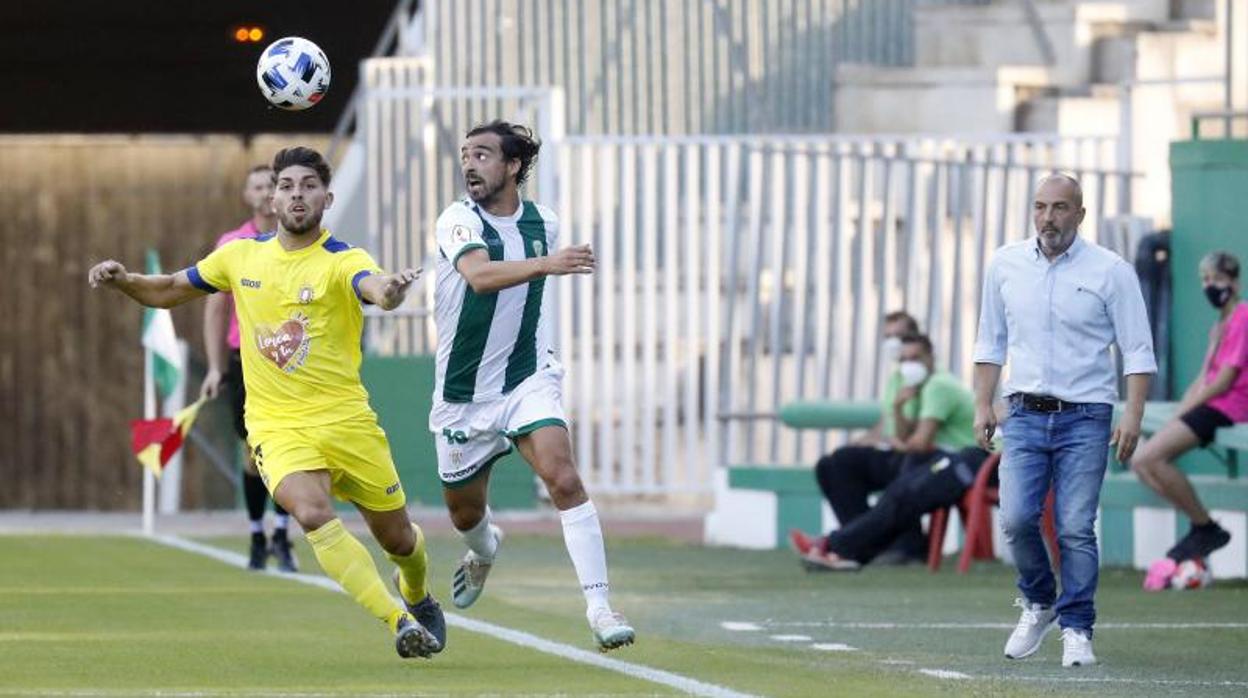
x: 154, y: 441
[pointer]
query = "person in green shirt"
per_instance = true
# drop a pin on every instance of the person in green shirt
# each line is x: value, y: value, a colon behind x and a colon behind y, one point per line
x: 933, y: 443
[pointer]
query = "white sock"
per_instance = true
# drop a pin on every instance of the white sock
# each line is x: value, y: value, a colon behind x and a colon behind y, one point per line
x: 480, y: 539
x: 582, y: 534
x: 257, y: 526
x: 281, y: 521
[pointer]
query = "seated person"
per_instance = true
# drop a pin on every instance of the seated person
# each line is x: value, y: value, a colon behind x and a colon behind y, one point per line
x: 1218, y: 397
x: 851, y: 473
x: 934, y: 416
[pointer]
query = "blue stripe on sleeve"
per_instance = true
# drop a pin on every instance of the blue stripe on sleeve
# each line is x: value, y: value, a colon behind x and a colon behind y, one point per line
x: 355, y: 284
x: 198, y: 282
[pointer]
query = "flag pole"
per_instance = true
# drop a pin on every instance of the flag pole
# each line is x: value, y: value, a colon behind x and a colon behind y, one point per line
x: 149, y: 478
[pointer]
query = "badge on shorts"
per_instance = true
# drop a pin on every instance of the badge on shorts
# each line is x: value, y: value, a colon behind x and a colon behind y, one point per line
x: 305, y: 294
x: 461, y: 233
x: 457, y: 457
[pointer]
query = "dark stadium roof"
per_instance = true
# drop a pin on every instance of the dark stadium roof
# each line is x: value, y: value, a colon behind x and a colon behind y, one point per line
x: 168, y: 65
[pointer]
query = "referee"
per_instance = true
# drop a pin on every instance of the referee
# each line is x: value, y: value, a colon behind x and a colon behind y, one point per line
x: 1053, y: 305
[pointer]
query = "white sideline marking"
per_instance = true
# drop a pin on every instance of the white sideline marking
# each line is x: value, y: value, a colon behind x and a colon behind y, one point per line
x: 1000, y: 626
x: 833, y: 647
x: 791, y: 638
x: 517, y: 637
x: 739, y: 627
x: 157, y: 693
x: 944, y: 674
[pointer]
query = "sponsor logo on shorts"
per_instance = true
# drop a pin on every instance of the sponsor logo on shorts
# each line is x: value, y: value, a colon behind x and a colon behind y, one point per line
x: 595, y: 585
x: 394, y: 488
x: 459, y: 474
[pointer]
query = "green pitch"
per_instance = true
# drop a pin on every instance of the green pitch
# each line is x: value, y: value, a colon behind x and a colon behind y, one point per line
x: 120, y: 616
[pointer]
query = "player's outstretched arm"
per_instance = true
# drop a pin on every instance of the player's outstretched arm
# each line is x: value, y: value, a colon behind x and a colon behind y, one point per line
x: 388, y: 291
x: 152, y: 290
x: 486, y: 276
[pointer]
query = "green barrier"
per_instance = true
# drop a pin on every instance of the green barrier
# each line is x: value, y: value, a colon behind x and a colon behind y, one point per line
x: 1208, y: 180
x: 400, y: 389
x: 830, y: 415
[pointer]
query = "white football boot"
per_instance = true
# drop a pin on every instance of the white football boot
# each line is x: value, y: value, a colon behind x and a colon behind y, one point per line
x: 469, y: 579
x: 611, y: 630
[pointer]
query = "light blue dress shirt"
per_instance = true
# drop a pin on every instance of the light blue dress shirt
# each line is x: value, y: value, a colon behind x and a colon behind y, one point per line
x: 1056, y: 321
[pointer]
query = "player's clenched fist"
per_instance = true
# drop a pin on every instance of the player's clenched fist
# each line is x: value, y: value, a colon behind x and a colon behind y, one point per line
x: 577, y: 259
x: 106, y: 272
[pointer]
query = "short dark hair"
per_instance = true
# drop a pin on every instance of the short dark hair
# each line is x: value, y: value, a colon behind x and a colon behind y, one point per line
x: 912, y: 325
x: 262, y: 167
x: 519, y: 143
x: 1222, y: 262
x: 919, y: 339
x: 300, y: 155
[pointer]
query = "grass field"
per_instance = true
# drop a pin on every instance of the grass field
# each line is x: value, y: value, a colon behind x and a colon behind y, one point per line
x: 124, y: 616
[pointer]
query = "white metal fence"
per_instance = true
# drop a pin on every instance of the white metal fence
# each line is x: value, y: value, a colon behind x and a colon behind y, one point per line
x: 736, y: 272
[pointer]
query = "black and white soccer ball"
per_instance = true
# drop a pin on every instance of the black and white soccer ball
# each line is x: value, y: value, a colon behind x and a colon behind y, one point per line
x: 293, y: 73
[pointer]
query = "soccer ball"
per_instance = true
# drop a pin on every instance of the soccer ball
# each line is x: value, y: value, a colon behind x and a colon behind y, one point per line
x: 293, y: 73
x: 1191, y: 574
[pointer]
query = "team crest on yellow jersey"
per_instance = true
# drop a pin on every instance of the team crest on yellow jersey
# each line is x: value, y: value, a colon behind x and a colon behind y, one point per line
x: 286, y: 345
x: 305, y: 294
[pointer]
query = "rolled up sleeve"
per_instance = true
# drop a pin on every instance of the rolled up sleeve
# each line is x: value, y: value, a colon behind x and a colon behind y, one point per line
x: 1130, y: 319
x: 991, y: 340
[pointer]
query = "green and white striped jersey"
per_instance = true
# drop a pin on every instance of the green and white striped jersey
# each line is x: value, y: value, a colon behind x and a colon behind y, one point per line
x: 489, y: 343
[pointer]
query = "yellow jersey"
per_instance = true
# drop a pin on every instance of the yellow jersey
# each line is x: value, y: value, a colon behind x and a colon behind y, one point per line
x: 300, y: 323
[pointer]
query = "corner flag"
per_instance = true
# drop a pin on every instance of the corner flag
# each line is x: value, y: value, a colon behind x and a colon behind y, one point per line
x: 160, y: 339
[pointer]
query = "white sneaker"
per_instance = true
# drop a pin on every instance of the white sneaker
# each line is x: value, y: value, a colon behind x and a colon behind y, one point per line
x: 1076, y: 648
x: 1033, y: 624
x: 469, y: 579
x: 611, y: 630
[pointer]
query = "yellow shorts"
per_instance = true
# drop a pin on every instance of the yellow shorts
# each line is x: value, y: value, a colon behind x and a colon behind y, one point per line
x: 355, y: 452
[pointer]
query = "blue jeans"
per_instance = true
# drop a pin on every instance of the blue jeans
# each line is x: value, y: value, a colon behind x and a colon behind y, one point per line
x: 1068, y: 450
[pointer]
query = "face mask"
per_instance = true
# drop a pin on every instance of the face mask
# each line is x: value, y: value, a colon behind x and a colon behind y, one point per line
x: 891, y: 348
x: 912, y: 372
x: 1218, y: 295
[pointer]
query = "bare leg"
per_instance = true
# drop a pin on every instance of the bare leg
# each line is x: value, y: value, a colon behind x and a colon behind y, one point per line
x: 1154, y: 463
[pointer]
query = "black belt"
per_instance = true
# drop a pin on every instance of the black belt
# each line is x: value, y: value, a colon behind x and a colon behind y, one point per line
x: 1042, y: 403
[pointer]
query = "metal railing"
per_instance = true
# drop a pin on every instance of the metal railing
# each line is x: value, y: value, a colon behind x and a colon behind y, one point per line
x: 1228, y: 119
x: 389, y: 40
x: 736, y: 272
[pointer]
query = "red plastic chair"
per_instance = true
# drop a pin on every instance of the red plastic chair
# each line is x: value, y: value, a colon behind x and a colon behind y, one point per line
x: 975, y: 510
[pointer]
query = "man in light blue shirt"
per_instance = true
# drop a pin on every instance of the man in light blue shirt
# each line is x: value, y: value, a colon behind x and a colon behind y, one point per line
x: 1053, y: 306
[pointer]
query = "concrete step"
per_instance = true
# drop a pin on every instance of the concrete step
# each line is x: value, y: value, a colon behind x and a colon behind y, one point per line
x: 1084, y: 114
x: 951, y: 100
x: 999, y: 34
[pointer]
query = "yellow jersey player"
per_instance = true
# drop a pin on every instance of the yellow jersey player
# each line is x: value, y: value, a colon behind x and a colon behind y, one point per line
x: 298, y: 295
x: 499, y: 381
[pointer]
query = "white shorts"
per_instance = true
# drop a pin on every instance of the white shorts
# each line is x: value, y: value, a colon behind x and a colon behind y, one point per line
x: 471, y: 436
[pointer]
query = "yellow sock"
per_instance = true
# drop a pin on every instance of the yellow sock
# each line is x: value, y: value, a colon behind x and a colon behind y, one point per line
x: 347, y: 562
x: 412, y: 570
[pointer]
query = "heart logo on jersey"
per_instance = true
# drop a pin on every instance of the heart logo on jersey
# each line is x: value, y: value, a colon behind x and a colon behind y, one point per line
x: 287, y: 343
